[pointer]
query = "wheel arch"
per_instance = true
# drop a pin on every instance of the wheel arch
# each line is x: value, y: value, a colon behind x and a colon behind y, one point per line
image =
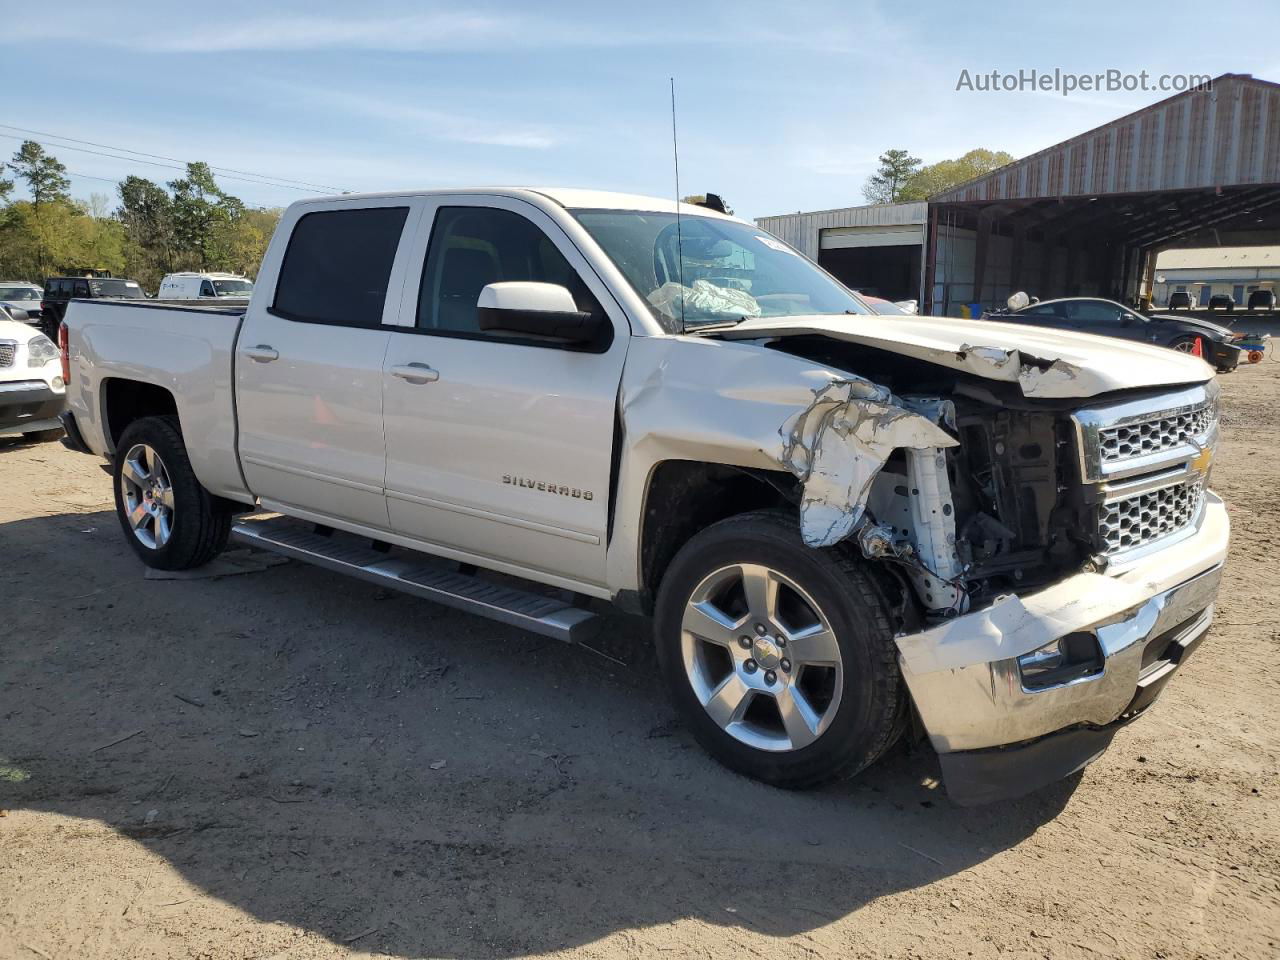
x: 124, y: 400
x: 683, y: 497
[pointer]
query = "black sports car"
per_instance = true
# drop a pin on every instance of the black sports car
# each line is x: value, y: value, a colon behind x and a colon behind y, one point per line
x: 1111, y: 319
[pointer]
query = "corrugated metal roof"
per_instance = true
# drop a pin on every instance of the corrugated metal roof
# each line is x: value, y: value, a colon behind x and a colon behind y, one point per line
x: 802, y: 230
x: 1207, y: 258
x: 1224, y: 134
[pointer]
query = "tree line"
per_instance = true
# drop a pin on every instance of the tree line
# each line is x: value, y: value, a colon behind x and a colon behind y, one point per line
x: 150, y: 229
x: 901, y: 177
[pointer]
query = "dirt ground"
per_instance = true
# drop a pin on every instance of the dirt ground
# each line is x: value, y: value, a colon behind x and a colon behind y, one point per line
x: 290, y: 764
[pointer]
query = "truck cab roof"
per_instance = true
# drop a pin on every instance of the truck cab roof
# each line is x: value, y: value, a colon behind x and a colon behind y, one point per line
x: 571, y: 198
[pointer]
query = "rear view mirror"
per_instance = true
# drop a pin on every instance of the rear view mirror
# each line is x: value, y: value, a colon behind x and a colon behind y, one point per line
x: 543, y: 311
x: 1018, y: 301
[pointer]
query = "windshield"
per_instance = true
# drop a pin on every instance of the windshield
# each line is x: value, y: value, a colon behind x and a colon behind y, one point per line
x: 115, y: 288
x: 712, y: 271
x: 886, y: 308
x: 20, y: 293
x: 232, y: 288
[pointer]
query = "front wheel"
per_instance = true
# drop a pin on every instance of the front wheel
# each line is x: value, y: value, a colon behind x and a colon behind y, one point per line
x: 780, y: 657
x: 169, y: 519
x: 1185, y: 344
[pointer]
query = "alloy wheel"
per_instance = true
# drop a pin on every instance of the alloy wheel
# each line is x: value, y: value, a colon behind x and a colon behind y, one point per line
x: 148, y: 496
x: 761, y: 657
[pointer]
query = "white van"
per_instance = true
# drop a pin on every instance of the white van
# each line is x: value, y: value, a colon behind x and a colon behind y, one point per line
x: 204, y: 286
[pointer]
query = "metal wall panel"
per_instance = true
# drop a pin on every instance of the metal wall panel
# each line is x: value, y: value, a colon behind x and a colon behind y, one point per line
x: 1227, y: 134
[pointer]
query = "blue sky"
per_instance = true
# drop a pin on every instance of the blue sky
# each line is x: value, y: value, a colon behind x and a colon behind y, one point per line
x: 782, y: 106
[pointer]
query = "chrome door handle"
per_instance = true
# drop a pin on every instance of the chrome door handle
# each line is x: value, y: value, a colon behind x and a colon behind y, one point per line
x: 415, y: 373
x: 262, y: 353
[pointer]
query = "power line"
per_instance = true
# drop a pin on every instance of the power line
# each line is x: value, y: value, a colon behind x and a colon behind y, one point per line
x: 225, y: 172
x: 157, y: 156
x: 154, y: 163
x: 116, y: 180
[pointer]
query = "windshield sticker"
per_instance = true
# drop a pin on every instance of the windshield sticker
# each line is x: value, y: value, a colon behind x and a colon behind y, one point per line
x: 773, y: 244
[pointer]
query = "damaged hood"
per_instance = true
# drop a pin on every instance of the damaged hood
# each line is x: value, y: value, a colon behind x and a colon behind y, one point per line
x: 1045, y: 363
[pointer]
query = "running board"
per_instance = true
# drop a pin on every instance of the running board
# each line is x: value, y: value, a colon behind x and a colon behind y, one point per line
x: 519, y: 608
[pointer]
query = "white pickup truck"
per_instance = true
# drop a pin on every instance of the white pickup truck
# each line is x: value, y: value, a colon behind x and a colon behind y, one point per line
x: 844, y: 526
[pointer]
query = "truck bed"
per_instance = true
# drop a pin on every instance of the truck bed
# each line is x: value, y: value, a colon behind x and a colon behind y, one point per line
x: 186, y: 348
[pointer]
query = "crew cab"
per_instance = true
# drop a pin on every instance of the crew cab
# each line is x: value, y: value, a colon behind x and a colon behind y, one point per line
x: 845, y: 527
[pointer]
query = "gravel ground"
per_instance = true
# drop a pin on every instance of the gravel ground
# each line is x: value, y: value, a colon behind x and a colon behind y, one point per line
x: 292, y: 764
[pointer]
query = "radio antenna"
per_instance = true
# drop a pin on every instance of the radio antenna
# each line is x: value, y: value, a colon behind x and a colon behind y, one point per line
x: 675, y: 156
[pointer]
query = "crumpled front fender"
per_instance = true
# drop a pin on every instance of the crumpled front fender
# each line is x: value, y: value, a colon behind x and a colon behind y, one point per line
x: 744, y: 405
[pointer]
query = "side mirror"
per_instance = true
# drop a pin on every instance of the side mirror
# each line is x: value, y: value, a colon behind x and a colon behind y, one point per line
x: 17, y: 313
x: 1018, y: 301
x: 543, y: 311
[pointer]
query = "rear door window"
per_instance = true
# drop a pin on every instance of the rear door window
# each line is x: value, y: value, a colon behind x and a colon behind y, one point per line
x: 337, y: 266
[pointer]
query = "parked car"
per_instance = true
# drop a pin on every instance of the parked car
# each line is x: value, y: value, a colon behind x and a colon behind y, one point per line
x: 32, y: 390
x: 1221, y: 301
x: 1110, y: 319
x: 204, y: 286
x: 1180, y: 300
x: 22, y: 295
x: 844, y: 526
x: 59, y: 290
x: 1262, y: 300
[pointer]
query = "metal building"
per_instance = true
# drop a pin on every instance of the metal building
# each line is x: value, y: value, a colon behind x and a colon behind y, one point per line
x: 1084, y: 217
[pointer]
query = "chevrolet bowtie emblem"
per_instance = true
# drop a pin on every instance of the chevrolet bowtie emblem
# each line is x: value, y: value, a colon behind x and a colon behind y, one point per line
x: 1201, y: 462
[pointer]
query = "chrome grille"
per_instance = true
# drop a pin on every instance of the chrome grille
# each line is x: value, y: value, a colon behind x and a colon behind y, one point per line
x: 1147, y: 517
x: 8, y: 349
x: 1162, y: 432
x: 1144, y: 464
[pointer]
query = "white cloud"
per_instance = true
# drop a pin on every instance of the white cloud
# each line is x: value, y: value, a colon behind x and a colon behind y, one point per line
x: 410, y: 118
x: 869, y: 35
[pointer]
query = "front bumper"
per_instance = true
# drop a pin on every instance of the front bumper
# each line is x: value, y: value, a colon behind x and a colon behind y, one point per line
x: 29, y: 405
x: 996, y: 737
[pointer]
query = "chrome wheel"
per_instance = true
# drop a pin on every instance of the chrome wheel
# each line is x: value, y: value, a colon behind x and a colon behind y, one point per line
x: 147, y: 496
x: 761, y: 657
x: 1185, y: 346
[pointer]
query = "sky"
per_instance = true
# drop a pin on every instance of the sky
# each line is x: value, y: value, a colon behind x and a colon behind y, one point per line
x: 780, y: 106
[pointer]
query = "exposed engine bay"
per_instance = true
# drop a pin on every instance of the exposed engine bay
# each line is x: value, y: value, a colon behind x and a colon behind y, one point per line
x: 994, y: 508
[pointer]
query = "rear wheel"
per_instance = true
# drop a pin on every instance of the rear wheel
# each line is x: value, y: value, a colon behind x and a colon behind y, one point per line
x: 169, y: 519
x: 779, y: 657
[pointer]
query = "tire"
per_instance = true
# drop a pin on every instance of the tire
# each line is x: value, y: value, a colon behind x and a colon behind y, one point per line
x: 181, y: 525
x: 43, y: 436
x: 860, y: 701
x: 1184, y: 344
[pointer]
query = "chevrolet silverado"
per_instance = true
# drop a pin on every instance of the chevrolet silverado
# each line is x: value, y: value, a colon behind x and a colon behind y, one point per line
x: 845, y: 527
